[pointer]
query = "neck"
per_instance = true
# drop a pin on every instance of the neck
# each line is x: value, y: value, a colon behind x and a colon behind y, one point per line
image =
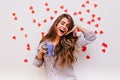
x: 56, y: 40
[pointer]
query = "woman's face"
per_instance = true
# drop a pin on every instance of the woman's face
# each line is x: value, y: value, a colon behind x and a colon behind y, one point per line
x: 62, y: 27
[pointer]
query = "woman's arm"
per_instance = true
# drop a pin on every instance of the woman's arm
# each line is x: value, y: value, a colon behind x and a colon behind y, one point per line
x: 86, y: 38
x: 39, y: 60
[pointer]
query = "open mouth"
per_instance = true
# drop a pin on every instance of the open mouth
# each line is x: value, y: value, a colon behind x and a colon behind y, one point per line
x: 62, y: 31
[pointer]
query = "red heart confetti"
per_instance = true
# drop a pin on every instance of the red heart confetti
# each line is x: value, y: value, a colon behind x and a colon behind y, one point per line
x: 99, y: 18
x: 97, y: 25
x: 84, y: 48
x: 66, y: 10
x: 88, y: 22
x: 45, y: 20
x: 25, y: 60
x: 93, y: 15
x: 47, y: 9
x: 21, y: 28
x: 75, y: 13
x: 104, y: 45
x: 61, y: 7
x: 78, y: 30
x: 28, y: 45
x: 83, y: 5
x: 81, y: 19
x: 39, y: 24
x: 34, y: 20
x: 13, y: 14
x: 14, y: 37
x: 101, y: 32
x: 51, y: 17
x: 31, y: 7
x: 96, y: 32
x: 79, y: 12
x: 88, y: 10
x: 32, y: 11
x: 95, y: 5
x: 92, y: 20
x: 42, y: 33
x: 15, y: 18
x: 87, y: 56
x: 103, y: 50
x: 46, y: 4
x: 28, y: 48
x: 87, y: 2
x: 26, y: 35
x: 55, y: 11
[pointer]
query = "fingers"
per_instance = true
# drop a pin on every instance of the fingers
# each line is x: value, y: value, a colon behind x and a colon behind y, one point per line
x: 73, y: 30
x: 43, y: 49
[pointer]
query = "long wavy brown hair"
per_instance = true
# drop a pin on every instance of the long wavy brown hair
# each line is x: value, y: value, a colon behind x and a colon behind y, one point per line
x: 66, y: 47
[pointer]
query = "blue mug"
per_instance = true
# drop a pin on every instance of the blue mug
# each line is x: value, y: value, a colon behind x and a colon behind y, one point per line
x: 49, y: 47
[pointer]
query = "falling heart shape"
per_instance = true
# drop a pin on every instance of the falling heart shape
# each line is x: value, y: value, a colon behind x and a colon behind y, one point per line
x: 81, y: 19
x: 97, y: 25
x: 34, y: 20
x: 95, y: 5
x: 66, y: 10
x: 84, y: 48
x: 45, y: 20
x: 96, y: 32
x: 28, y: 48
x: 103, y: 50
x: 87, y: 56
x: 42, y: 33
x: 32, y: 11
x: 83, y: 5
x: 93, y: 15
x: 28, y: 45
x: 39, y: 24
x: 14, y: 37
x: 21, y: 28
x: 31, y: 7
x: 92, y: 20
x: 99, y: 18
x: 15, y: 18
x: 88, y: 10
x: 101, y: 32
x: 79, y: 12
x: 61, y: 7
x: 26, y: 35
x: 46, y: 4
x: 89, y: 22
x: 26, y: 60
x: 47, y: 9
x: 51, y: 17
x: 13, y: 14
x: 104, y: 45
x: 55, y: 11
x: 75, y: 13
x: 87, y: 2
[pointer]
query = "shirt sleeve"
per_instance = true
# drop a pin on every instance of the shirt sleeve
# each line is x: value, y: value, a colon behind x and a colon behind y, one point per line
x: 37, y: 62
x: 86, y: 39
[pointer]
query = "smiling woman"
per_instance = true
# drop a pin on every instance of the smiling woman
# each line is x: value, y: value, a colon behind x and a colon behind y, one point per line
x: 59, y: 65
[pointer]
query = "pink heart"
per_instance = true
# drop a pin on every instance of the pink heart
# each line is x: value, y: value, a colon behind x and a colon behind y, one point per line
x: 21, y: 28
x: 14, y: 37
x: 87, y: 56
x: 62, y: 7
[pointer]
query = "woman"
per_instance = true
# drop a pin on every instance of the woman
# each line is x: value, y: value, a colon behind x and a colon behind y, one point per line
x: 62, y: 34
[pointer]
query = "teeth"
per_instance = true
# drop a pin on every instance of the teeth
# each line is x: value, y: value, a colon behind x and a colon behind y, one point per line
x: 61, y: 30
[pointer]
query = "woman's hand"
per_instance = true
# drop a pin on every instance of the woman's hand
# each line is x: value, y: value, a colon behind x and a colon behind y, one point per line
x: 77, y: 27
x: 43, y: 50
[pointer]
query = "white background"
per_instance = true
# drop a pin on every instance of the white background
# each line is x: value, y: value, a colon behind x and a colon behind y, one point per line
x: 101, y: 66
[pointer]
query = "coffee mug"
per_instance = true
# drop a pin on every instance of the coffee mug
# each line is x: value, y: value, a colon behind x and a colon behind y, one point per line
x: 49, y: 47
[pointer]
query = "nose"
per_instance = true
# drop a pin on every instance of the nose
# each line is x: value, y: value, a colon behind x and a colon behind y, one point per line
x: 64, y: 26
